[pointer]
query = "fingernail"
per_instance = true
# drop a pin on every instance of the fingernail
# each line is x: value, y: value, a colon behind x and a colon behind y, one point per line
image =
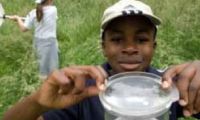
x: 195, y: 112
x: 102, y: 87
x: 186, y: 113
x: 60, y: 91
x: 165, y: 84
x: 182, y: 102
x: 106, y: 81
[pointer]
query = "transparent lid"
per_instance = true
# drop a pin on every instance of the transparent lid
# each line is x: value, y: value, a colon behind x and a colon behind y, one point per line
x: 137, y: 95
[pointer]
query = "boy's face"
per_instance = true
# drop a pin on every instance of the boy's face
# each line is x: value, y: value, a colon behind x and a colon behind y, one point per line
x: 129, y: 43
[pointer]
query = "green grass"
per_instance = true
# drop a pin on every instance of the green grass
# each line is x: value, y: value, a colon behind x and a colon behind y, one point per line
x: 78, y: 35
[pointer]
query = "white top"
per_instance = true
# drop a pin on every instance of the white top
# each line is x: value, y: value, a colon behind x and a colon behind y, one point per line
x: 46, y: 28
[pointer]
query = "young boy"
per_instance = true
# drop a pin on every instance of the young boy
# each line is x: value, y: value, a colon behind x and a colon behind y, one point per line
x: 128, y: 42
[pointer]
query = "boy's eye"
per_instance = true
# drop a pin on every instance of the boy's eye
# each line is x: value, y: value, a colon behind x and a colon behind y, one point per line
x: 142, y: 40
x: 116, y: 39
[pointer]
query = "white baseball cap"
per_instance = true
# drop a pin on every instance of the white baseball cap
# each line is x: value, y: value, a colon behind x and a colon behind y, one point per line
x: 128, y: 7
x: 39, y: 1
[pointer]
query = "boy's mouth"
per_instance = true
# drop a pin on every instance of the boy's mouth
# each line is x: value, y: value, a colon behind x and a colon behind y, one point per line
x: 130, y: 66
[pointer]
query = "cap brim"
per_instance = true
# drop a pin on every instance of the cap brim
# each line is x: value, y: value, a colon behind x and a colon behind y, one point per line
x: 154, y: 19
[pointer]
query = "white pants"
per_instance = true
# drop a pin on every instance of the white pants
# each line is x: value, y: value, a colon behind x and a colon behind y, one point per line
x: 47, y: 55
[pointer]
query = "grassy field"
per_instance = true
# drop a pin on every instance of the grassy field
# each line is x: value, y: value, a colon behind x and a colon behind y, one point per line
x: 78, y: 35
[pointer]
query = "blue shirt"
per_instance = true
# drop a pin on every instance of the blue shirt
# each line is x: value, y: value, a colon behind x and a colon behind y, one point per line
x: 92, y: 109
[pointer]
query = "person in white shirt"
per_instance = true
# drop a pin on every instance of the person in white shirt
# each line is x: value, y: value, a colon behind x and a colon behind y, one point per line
x: 43, y: 20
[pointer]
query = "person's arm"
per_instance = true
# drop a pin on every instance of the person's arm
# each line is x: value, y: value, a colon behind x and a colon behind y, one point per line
x: 26, y: 109
x: 188, y: 83
x: 62, y: 89
x: 19, y: 21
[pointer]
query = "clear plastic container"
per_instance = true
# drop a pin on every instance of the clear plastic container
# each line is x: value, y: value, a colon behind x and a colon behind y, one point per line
x: 137, y: 96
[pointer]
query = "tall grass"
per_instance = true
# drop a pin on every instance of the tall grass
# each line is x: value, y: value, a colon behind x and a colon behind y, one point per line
x: 78, y: 35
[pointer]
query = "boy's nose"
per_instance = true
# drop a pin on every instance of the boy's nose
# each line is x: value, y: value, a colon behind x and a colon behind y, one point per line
x: 130, y: 48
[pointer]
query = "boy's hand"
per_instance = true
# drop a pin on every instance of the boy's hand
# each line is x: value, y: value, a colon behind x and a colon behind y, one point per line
x: 188, y: 83
x: 67, y: 87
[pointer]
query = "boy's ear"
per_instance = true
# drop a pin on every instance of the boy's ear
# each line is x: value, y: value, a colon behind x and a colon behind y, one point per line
x: 155, y: 44
x: 103, y: 48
